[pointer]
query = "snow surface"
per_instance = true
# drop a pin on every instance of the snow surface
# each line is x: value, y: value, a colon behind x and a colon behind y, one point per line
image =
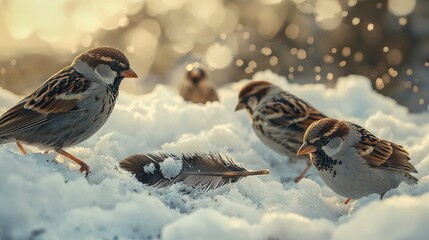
x: 43, y: 199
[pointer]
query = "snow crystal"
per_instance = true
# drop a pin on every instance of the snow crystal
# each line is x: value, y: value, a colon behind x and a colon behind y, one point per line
x: 170, y: 167
x: 149, y: 168
x: 46, y: 197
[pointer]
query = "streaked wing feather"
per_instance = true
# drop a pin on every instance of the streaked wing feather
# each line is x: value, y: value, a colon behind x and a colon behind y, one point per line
x: 283, y: 119
x: 313, y: 115
x: 289, y: 111
x: 199, y: 170
x: 57, y: 95
x: 19, y: 119
x: 382, y: 153
x: 400, y: 159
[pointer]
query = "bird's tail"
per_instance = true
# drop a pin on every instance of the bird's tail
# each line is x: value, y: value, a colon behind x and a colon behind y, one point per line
x: 4, y: 140
x: 410, y: 179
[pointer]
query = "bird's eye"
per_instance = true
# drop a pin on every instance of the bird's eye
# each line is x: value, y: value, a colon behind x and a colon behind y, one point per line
x: 323, y: 140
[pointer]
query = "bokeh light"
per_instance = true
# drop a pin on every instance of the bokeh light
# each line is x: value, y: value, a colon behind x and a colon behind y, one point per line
x: 307, y: 41
x: 218, y: 56
x: 401, y: 7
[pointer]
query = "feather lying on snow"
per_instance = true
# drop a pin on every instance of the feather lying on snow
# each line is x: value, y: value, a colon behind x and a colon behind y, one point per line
x: 200, y: 170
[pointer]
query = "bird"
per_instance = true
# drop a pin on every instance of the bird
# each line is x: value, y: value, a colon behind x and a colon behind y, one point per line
x: 70, y: 106
x: 196, y: 87
x: 353, y: 162
x: 278, y: 118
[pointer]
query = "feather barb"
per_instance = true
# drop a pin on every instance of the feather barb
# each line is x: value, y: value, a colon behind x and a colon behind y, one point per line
x: 205, y: 171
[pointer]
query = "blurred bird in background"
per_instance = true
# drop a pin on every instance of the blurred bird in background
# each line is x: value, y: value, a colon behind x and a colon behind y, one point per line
x: 196, y: 86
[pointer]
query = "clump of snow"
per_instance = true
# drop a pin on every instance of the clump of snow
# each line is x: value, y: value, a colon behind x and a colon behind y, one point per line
x: 45, y: 196
x: 210, y: 224
x: 400, y: 217
x: 149, y: 168
x: 170, y: 167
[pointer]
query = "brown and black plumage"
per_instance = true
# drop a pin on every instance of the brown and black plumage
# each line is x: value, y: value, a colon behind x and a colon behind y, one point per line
x: 196, y: 86
x: 353, y: 162
x: 200, y: 170
x: 279, y: 118
x: 70, y: 106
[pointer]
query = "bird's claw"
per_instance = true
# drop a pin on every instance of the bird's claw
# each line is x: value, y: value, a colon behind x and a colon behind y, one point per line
x: 84, y: 168
x: 297, y: 179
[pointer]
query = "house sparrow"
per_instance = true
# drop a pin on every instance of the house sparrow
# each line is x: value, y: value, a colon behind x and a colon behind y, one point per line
x: 353, y: 162
x: 196, y: 87
x: 279, y: 118
x: 70, y: 106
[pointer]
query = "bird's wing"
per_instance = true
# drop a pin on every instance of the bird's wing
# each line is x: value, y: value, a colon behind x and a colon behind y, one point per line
x: 381, y: 153
x: 284, y: 119
x: 57, y: 95
x: 291, y: 112
x: 212, y: 95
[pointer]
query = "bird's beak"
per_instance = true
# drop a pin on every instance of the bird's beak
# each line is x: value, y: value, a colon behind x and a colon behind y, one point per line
x: 240, y: 106
x: 129, y: 74
x: 306, y: 149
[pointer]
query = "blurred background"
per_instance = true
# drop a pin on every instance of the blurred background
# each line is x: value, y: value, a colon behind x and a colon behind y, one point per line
x: 308, y: 41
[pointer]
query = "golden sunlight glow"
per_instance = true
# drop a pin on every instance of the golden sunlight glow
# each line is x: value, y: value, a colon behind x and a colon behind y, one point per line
x: 62, y: 23
x: 234, y: 38
x: 328, y: 14
x: 218, y: 56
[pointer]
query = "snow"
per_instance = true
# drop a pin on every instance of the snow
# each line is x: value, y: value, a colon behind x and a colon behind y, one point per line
x: 170, y: 167
x: 149, y: 168
x: 45, y: 196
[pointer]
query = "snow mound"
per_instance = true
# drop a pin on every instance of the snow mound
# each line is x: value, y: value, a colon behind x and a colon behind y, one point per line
x: 45, y: 196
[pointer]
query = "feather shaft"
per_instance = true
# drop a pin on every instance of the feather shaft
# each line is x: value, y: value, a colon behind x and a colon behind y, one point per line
x: 235, y: 174
x: 204, y: 171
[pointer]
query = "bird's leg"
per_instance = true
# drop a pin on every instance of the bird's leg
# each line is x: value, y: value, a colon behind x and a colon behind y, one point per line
x: 301, y: 176
x: 83, y: 166
x: 347, y: 201
x: 21, y: 148
x: 382, y: 195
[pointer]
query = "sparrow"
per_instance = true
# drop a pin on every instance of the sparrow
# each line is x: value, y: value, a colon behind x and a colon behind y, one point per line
x: 70, y: 106
x: 353, y: 162
x: 196, y: 87
x: 278, y: 118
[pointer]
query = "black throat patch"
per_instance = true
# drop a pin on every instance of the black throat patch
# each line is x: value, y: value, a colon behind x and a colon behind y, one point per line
x: 114, y: 88
x: 323, y: 162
